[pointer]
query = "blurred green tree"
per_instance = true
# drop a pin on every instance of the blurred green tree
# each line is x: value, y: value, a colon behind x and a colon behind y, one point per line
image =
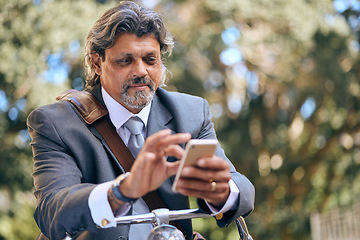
x: 281, y: 77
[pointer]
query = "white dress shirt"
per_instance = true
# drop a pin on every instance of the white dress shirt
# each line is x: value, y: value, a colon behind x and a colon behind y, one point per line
x: 98, y: 201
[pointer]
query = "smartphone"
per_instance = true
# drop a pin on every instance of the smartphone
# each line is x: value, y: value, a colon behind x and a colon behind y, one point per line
x: 195, y: 149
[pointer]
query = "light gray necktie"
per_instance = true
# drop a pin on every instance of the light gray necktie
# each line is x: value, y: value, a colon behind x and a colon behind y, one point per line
x: 136, y: 142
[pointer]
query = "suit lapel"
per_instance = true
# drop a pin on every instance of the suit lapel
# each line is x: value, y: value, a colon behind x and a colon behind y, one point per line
x: 159, y: 117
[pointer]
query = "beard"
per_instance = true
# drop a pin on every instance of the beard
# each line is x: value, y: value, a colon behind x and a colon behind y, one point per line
x: 141, y: 99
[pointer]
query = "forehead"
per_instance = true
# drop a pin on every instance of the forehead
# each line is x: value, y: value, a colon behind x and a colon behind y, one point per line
x: 127, y: 43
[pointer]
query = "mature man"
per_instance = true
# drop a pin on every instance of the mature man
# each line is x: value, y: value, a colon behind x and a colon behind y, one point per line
x: 74, y: 167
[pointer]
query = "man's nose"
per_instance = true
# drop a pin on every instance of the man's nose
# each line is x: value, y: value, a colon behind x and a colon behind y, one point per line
x: 139, y: 69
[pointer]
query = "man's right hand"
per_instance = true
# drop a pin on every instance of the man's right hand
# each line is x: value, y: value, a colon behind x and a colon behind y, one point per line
x: 151, y: 167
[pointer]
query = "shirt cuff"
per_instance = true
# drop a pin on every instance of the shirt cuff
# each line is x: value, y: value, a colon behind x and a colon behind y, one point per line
x: 230, y: 202
x: 100, y: 209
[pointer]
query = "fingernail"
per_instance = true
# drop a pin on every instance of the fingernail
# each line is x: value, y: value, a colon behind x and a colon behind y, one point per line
x: 185, y: 171
x: 201, y: 163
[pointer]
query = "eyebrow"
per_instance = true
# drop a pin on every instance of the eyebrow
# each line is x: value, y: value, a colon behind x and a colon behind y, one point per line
x: 155, y: 53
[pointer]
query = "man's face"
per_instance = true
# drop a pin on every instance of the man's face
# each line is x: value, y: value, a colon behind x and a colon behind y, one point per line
x: 131, y: 71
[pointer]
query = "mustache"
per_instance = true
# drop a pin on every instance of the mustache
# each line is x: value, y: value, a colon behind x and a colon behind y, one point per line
x: 138, y: 80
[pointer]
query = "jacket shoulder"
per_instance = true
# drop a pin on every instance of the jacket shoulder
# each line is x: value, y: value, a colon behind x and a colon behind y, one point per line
x: 61, y: 111
x: 179, y: 99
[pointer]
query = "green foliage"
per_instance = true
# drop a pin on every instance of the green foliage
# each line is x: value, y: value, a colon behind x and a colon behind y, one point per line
x: 286, y: 111
x: 299, y: 159
x: 18, y: 223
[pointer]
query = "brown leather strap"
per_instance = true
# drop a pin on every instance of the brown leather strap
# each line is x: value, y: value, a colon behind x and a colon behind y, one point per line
x: 93, y: 112
x: 88, y: 106
x: 117, y: 146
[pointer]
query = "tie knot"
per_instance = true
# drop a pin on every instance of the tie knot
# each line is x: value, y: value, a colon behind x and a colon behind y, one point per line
x: 135, y: 125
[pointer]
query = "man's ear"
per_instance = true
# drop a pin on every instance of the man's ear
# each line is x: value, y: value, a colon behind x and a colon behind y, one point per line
x: 96, y: 62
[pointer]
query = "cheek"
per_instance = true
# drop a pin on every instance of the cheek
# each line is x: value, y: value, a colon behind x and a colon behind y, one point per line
x: 113, y: 80
x: 155, y: 74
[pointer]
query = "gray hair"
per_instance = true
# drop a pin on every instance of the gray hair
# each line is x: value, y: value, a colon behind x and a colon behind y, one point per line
x: 127, y: 17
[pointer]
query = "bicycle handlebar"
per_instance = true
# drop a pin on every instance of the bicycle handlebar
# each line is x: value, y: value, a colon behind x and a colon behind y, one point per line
x: 161, y: 216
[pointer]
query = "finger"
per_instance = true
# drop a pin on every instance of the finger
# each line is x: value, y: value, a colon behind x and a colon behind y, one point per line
x: 164, y: 138
x: 174, y: 151
x: 206, y: 174
x: 173, y: 139
x: 217, y: 197
x: 172, y: 168
x: 153, y: 139
x: 214, y: 162
x: 202, y: 186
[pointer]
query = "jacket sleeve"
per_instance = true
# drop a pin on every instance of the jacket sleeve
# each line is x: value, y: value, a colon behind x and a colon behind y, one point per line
x: 245, y: 203
x: 62, y: 205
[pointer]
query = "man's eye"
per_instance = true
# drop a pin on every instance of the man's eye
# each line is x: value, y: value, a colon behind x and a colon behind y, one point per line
x: 151, y: 60
x: 123, y: 61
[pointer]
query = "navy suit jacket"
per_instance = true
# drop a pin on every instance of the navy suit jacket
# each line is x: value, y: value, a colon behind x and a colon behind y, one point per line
x: 71, y: 158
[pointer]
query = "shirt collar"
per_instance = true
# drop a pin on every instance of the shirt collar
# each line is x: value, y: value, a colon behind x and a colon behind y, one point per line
x: 119, y: 114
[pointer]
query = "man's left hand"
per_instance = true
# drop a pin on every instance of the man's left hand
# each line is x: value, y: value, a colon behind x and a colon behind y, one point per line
x: 208, y: 180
